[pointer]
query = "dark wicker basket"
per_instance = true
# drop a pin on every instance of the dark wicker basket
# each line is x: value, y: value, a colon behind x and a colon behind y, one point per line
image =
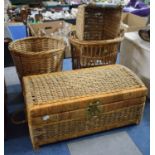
x: 93, y: 53
x: 98, y: 23
x: 37, y: 55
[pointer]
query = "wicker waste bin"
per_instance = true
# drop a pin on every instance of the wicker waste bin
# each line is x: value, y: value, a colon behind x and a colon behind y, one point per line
x: 58, y: 29
x: 93, y: 53
x: 37, y: 55
x: 98, y: 22
x: 69, y: 104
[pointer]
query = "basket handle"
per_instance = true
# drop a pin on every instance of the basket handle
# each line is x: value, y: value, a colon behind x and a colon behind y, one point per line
x: 72, y: 34
x: 15, y: 115
x: 48, y: 27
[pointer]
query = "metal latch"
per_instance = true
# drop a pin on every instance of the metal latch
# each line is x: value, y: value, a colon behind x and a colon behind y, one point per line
x: 93, y: 110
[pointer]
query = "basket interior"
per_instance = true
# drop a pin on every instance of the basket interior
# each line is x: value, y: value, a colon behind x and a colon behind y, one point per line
x: 98, y: 23
x: 107, y: 19
x: 33, y: 45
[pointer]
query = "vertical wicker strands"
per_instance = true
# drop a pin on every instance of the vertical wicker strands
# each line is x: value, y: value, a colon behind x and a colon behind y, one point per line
x: 37, y: 55
x: 93, y: 53
x: 98, y: 22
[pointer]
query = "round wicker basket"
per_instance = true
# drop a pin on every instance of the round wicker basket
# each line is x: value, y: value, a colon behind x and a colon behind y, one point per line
x: 93, y: 53
x: 37, y: 55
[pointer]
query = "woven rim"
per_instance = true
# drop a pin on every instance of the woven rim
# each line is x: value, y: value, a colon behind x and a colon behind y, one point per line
x: 12, y: 49
x: 73, y: 39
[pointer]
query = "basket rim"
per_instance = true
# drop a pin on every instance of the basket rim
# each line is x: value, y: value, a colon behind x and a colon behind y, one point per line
x: 73, y: 39
x: 39, y: 52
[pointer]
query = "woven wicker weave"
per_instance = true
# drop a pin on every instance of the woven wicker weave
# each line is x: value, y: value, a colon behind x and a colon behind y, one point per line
x: 93, y: 53
x: 98, y: 23
x: 36, y: 55
x: 69, y: 104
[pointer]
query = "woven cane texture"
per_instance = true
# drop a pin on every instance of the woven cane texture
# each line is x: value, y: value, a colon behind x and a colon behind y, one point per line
x: 36, y: 55
x: 75, y: 84
x: 69, y: 104
x: 93, y: 53
x: 98, y: 22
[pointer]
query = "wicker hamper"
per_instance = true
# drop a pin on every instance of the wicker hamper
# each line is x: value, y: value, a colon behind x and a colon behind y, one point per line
x: 93, y: 53
x: 69, y: 104
x: 98, y: 22
x: 36, y: 55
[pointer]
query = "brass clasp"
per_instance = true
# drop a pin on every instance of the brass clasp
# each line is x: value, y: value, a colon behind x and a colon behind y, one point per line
x: 93, y: 109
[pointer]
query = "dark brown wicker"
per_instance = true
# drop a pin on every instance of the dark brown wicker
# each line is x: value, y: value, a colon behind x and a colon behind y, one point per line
x: 98, y: 23
x: 93, y: 53
x: 37, y: 55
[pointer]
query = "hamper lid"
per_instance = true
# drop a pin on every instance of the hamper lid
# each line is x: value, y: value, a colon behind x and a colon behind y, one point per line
x: 112, y: 82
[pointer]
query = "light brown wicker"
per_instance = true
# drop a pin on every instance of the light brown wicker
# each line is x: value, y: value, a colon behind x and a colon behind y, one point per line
x: 93, y: 53
x: 37, y: 55
x: 98, y: 22
x: 47, y: 27
x: 69, y: 104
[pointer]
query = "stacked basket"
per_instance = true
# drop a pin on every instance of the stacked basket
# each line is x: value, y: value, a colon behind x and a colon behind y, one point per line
x: 97, y: 36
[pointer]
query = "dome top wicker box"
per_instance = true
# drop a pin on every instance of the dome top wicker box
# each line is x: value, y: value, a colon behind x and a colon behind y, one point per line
x: 69, y: 104
x: 95, y: 22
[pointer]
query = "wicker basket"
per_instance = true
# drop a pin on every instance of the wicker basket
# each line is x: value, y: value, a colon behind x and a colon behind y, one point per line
x: 65, y: 105
x: 36, y: 55
x: 93, y: 53
x: 98, y: 23
x: 47, y: 27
